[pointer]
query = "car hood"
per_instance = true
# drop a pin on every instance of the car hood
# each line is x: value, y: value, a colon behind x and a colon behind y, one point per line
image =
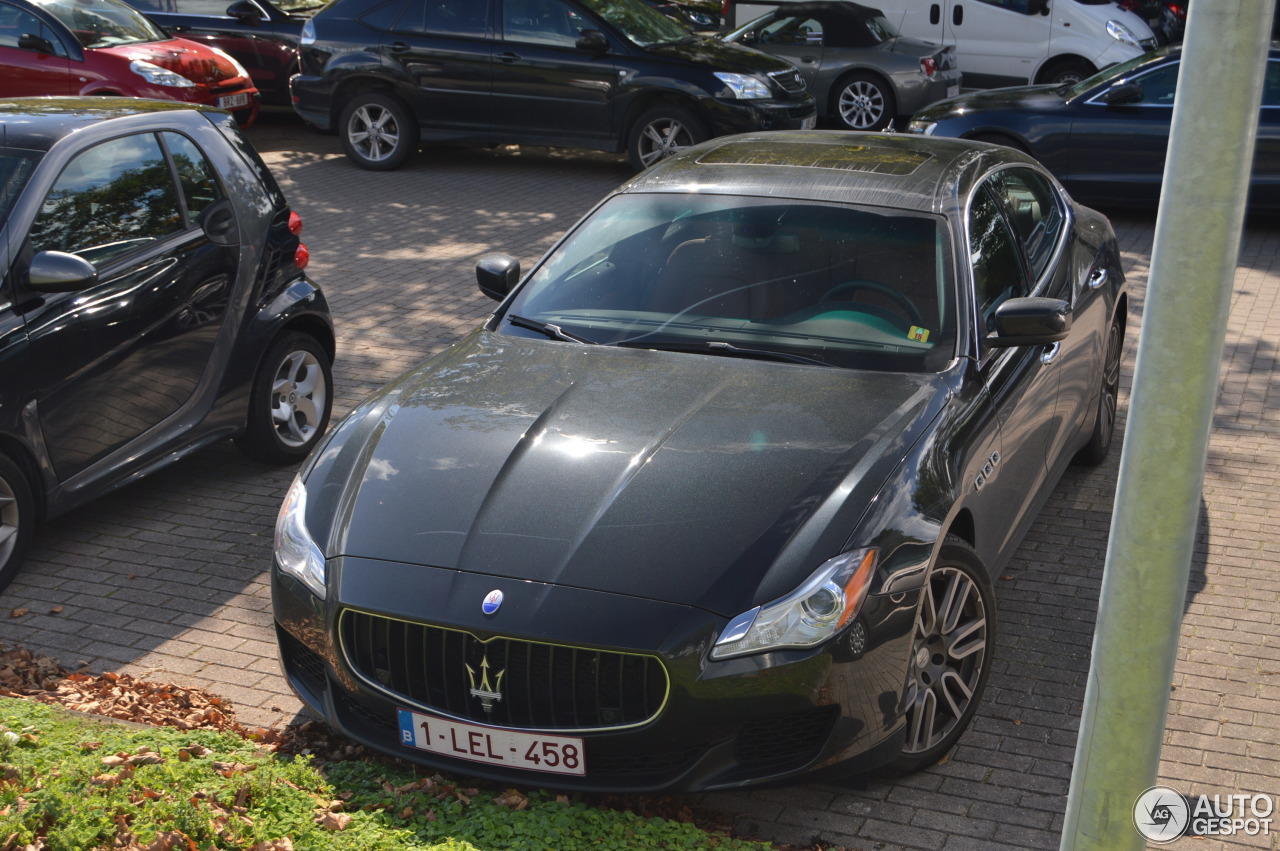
x: 691, y: 479
x: 194, y: 61
x: 1018, y: 98
x: 719, y: 55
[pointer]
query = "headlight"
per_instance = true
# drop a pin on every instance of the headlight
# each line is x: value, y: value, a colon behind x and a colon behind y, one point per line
x: 744, y: 86
x: 1121, y: 33
x: 308, y: 33
x: 809, y: 615
x: 296, y: 552
x: 923, y: 128
x: 158, y: 76
x: 240, y: 70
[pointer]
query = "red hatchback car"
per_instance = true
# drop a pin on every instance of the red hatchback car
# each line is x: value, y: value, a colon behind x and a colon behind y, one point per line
x: 103, y: 47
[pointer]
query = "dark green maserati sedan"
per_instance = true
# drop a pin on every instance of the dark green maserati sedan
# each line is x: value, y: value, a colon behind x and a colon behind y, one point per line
x: 716, y: 494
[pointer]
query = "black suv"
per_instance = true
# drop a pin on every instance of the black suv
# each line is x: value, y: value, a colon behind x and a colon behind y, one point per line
x: 612, y: 75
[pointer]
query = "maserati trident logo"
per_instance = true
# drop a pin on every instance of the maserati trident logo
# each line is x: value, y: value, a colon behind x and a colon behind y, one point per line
x: 488, y: 694
x: 492, y: 601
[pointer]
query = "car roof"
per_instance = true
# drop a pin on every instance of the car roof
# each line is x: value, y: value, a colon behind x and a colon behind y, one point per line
x: 840, y: 8
x: 903, y: 171
x: 38, y: 123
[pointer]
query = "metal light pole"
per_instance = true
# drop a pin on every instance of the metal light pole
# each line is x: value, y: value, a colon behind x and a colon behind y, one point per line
x: 1175, y: 387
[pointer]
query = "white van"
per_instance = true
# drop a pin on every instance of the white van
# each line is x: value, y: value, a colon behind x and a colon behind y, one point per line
x: 1016, y: 42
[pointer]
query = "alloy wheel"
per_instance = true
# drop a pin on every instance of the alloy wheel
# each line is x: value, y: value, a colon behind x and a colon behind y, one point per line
x: 948, y: 655
x: 663, y: 138
x: 298, y: 396
x: 374, y: 132
x: 1110, y: 385
x: 861, y: 104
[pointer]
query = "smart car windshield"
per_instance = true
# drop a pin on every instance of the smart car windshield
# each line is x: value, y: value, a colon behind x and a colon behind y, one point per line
x: 103, y: 23
x: 640, y: 23
x: 856, y: 287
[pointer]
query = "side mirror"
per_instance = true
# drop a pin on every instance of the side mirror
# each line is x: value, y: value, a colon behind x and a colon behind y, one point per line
x: 1122, y: 94
x: 592, y: 41
x: 244, y: 12
x: 59, y: 272
x: 218, y: 221
x: 1030, y: 322
x: 497, y: 275
x: 1038, y: 7
x: 39, y: 44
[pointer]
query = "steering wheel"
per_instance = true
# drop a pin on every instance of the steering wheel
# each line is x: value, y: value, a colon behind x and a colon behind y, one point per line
x: 905, y: 304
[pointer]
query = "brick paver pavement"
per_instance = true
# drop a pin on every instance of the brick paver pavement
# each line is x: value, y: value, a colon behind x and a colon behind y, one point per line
x: 168, y: 578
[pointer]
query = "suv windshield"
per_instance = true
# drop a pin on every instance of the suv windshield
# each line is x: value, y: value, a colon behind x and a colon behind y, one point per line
x: 103, y: 23
x: 640, y: 23
x: 856, y: 287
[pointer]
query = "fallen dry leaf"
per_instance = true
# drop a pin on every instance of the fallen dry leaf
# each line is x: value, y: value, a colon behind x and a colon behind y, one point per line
x: 333, y: 821
x: 17, y: 613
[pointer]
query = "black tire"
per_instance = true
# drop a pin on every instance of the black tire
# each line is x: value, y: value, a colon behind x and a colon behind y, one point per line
x: 1098, y: 448
x: 1066, y: 71
x: 378, y: 132
x: 17, y: 519
x: 863, y: 101
x: 290, y: 401
x: 999, y: 139
x: 662, y: 132
x: 950, y: 656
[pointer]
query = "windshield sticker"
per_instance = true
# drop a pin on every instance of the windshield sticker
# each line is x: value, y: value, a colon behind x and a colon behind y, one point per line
x: 920, y: 335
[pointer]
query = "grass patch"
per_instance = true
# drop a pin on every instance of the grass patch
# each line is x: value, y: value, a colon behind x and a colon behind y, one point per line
x: 69, y: 782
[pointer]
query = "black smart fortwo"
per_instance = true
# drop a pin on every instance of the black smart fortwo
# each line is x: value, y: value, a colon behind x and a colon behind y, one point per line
x: 152, y: 301
x: 716, y: 495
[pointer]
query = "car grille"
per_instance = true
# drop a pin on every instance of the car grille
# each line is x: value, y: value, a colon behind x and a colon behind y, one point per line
x: 791, y: 81
x: 504, y: 681
x: 302, y: 662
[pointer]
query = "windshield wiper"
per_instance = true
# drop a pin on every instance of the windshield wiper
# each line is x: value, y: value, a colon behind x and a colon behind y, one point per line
x: 720, y: 347
x: 555, y: 332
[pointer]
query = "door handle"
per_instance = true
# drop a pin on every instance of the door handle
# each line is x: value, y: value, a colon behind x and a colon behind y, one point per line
x: 1097, y: 277
x: 1050, y: 354
x: 400, y: 47
x: 508, y: 57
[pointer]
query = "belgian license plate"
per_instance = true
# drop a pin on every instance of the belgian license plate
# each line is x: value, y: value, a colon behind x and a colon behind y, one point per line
x: 492, y: 745
x: 952, y: 91
x: 809, y: 123
x: 232, y: 101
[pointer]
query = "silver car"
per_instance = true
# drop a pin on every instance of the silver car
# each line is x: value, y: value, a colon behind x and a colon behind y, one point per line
x: 860, y: 69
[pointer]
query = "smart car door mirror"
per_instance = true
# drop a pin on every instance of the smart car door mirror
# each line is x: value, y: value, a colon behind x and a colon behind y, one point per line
x: 1031, y: 321
x: 497, y: 275
x: 218, y: 221
x: 59, y: 272
x: 244, y: 12
x: 27, y: 41
x: 592, y: 41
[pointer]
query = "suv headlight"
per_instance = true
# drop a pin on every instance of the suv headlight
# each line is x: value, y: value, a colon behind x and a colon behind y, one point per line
x: 296, y: 552
x: 158, y: 76
x: 809, y: 615
x: 744, y: 86
x: 1121, y: 33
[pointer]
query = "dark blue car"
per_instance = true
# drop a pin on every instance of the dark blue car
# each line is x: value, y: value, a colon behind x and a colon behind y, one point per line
x: 1105, y: 137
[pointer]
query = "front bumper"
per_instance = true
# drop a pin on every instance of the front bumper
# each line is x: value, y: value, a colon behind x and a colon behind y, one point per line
x: 312, y: 99
x: 718, y: 724
x: 747, y: 116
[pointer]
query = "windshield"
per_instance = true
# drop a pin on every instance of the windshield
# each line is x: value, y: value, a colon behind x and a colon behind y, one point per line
x: 103, y: 23
x: 15, y: 168
x: 1112, y: 73
x: 640, y: 23
x: 882, y: 28
x: 856, y: 287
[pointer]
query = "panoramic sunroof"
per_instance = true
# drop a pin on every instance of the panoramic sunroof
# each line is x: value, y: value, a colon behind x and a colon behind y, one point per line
x: 876, y: 159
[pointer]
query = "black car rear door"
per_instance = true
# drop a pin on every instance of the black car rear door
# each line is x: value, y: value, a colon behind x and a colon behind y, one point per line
x: 545, y: 87
x: 123, y: 353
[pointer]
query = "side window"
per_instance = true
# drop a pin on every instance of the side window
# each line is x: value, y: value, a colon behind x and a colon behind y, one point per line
x: 998, y: 274
x: 1159, y: 85
x: 205, y: 8
x: 446, y: 17
x: 383, y: 17
x: 1271, y: 85
x: 793, y: 30
x: 15, y: 23
x: 195, y: 175
x: 110, y: 200
x: 1034, y: 208
x: 1020, y: 6
x: 541, y: 22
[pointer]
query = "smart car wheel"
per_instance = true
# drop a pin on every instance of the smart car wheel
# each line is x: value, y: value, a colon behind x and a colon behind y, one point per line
x: 17, y: 519
x: 662, y: 132
x: 948, y: 669
x: 1096, y: 450
x: 378, y: 132
x: 864, y: 102
x: 290, y: 401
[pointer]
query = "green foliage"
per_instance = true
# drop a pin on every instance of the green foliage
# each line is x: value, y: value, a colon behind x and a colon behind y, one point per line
x: 78, y: 783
